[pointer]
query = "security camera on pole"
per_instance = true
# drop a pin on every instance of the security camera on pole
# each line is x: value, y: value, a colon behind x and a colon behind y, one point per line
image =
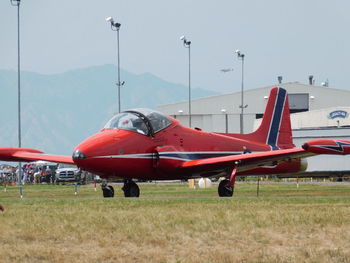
x: 115, y: 27
x: 187, y: 44
x: 242, y: 106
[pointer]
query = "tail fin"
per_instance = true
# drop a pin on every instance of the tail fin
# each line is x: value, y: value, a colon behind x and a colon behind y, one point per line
x: 275, y: 128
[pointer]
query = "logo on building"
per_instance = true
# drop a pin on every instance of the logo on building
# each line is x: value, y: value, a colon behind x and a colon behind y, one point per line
x: 338, y: 114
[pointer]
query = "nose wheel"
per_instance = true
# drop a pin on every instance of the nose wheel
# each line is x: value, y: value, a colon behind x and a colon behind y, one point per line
x: 108, y: 190
x: 131, y: 189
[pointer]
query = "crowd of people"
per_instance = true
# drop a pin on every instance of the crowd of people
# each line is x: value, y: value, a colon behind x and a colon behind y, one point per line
x: 37, y: 174
x: 8, y: 174
x: 31, y: 173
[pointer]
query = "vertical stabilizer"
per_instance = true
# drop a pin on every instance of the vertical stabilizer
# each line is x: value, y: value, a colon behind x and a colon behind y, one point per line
x: 275, y: 128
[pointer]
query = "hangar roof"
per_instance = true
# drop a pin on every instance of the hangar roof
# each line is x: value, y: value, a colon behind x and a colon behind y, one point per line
x: 318, y: 97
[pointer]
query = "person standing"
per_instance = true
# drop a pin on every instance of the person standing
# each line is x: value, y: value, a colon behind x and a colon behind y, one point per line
x: 37, y: 175
x: 48, y: 174
x: 246, y: 150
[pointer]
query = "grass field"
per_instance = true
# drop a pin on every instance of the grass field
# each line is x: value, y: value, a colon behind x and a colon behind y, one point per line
x: 172, y: 223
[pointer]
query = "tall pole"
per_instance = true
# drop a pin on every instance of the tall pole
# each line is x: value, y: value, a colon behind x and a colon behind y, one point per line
x: 115, y: 26
x: 225, y: 70
x: 189, y: 85
x: 242, y: 106
x: 242, y: 99
x: 118, y: 84
x: 187, y: 44
x: 17, y: 3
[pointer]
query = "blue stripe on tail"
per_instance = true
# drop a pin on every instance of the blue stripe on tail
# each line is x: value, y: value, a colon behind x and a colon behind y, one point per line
x: 276, y: 119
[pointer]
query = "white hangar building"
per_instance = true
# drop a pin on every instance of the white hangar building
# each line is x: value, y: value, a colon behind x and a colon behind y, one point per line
x: 317, y: 112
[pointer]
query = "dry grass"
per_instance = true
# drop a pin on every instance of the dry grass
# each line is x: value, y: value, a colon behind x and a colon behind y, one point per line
x: 172, y: 223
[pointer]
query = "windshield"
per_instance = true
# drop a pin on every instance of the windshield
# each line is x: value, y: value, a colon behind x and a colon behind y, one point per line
x: 128, y: 121
x: 142, y: 121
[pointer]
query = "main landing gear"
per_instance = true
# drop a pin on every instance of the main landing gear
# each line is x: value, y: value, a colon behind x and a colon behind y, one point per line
x: 130, y: 189
x: 226, y: 187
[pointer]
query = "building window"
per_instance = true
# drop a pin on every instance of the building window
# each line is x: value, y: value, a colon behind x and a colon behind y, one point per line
x: 298, y: 102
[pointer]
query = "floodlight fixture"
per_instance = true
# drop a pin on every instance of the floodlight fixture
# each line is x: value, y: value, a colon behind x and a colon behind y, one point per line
x: 115, y: 26
x: 239, y: 54
x: 185, y: 41
x: 15, y: 2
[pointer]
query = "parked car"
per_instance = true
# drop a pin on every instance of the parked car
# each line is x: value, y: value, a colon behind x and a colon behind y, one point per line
x: 67, y: 173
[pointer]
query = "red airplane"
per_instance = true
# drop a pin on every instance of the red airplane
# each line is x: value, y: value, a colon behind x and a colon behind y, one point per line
x: 147, y: 145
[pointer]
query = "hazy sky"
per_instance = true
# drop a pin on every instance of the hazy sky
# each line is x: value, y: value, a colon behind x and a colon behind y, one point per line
x: 292, y: 38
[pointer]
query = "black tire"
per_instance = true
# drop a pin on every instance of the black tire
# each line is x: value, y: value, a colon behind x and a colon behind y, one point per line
x: 108, y: 191
x: 224, y: 190
x: 131, y: 189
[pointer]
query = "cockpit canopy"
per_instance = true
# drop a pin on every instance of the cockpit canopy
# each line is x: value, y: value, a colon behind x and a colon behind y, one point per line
x: 143, y: 121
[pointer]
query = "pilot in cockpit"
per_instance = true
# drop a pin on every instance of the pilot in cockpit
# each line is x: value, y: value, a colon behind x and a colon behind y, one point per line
x: 155, y: 121
x: 140, y: 126
x: 124, y: 122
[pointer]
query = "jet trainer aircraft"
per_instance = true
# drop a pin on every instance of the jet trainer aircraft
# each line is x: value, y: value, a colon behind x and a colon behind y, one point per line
x: 145, y: 144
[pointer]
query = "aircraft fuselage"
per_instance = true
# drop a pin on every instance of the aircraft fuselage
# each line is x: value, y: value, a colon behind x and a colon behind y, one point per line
x: 127, y: 154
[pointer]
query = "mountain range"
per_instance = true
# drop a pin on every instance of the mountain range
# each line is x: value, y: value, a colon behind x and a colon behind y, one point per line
x: 60, y: 110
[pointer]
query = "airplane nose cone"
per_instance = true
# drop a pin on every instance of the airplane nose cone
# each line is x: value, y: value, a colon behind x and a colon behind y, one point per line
x: 78, y: 155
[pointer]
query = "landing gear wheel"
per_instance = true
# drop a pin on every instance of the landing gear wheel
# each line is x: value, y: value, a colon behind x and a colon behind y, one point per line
x: 131, y: 189
x: 224, y: 189
x: 108, y: 190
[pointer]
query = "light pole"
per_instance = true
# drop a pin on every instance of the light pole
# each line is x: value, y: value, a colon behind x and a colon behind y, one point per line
x: 242, y: 106
x: 187, y: 44
x: 226, y: 120
x: 115, y: 26
x: 17, y: 3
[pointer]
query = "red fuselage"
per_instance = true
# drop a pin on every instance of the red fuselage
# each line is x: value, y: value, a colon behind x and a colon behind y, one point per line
x: 128, y: 154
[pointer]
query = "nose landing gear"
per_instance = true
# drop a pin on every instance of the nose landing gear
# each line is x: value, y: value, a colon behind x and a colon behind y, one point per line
x: 108, y: 190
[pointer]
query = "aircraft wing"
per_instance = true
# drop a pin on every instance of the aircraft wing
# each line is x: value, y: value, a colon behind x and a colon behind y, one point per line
x: 255, y: 160
x: 245, y: 161
x: 28, y: 154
